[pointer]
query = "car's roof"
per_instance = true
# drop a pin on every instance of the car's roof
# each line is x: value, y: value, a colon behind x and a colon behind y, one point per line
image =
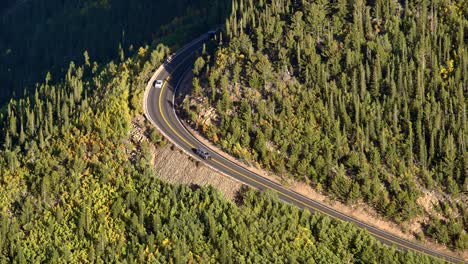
x: 203, y: 150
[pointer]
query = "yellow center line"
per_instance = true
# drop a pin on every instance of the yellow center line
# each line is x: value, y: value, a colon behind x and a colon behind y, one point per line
x: 268, y: 187
x: 308, y: 206
x: 164, y: 117
x: 278, y: 191
x: 160, y: 102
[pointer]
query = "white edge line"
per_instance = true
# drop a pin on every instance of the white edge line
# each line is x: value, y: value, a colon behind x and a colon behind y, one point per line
x: 148, y: 116
x: 149, y: 86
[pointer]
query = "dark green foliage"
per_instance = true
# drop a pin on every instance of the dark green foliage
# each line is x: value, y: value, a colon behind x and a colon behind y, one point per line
x: 69, y: 191
x: 47, y: 34
x: 364, y: 99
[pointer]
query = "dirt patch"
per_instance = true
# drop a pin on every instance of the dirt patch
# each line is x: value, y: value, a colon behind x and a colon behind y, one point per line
x: 360, y: 211
x: 173, y: 166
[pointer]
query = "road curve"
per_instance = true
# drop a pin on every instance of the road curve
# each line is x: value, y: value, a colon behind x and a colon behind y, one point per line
x: 159, y: 109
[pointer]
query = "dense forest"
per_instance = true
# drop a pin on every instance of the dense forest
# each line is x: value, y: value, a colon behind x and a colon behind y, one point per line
x: 45, y: 35
x: 364, y: 100
x: 69, y: 191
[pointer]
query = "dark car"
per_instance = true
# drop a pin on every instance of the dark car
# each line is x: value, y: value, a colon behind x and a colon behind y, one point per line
x: 203, y: 153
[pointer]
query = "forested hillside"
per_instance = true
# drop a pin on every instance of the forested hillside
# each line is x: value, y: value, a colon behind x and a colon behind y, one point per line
x: 45, y: 35
x: 69, y: 191
x: 364, y: 100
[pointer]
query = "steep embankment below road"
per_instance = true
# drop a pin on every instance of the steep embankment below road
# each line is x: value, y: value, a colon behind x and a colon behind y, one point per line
x: 173, y: 166
x: 158, y: 104
x: 360, y: 211
x: 73, y: 188
x: 364, y: 101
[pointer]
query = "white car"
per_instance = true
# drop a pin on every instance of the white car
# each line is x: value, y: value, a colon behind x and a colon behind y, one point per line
x: 203, y: 153
x: 158, y: 84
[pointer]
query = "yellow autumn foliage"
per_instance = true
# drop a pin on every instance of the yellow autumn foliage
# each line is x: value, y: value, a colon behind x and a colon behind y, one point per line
x: 142, y: 51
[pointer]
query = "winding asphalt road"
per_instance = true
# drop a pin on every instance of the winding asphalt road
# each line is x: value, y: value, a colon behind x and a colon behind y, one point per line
x: 159, y: 109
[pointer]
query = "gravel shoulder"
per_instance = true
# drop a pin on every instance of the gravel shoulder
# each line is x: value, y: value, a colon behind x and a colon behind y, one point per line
x: 359, y: 211
x: 173, y: 166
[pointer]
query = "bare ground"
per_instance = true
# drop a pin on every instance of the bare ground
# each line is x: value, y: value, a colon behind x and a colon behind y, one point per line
x: 360, y: 211
x: 176, y: 167
x: 173, y: 166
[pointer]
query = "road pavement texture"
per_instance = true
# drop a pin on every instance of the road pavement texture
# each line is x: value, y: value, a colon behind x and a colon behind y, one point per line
x: 160, y: 110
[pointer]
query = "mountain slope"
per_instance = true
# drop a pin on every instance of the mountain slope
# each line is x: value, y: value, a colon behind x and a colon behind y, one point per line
x: 364, y: 100
x: 42, y: 36
x: 72, y: 190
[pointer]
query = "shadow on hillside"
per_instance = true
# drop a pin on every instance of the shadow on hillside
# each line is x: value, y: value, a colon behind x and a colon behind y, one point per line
x: 43, y: 36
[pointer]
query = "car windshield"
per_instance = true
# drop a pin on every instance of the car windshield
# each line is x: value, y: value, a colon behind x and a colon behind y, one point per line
x: 203, y: 151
